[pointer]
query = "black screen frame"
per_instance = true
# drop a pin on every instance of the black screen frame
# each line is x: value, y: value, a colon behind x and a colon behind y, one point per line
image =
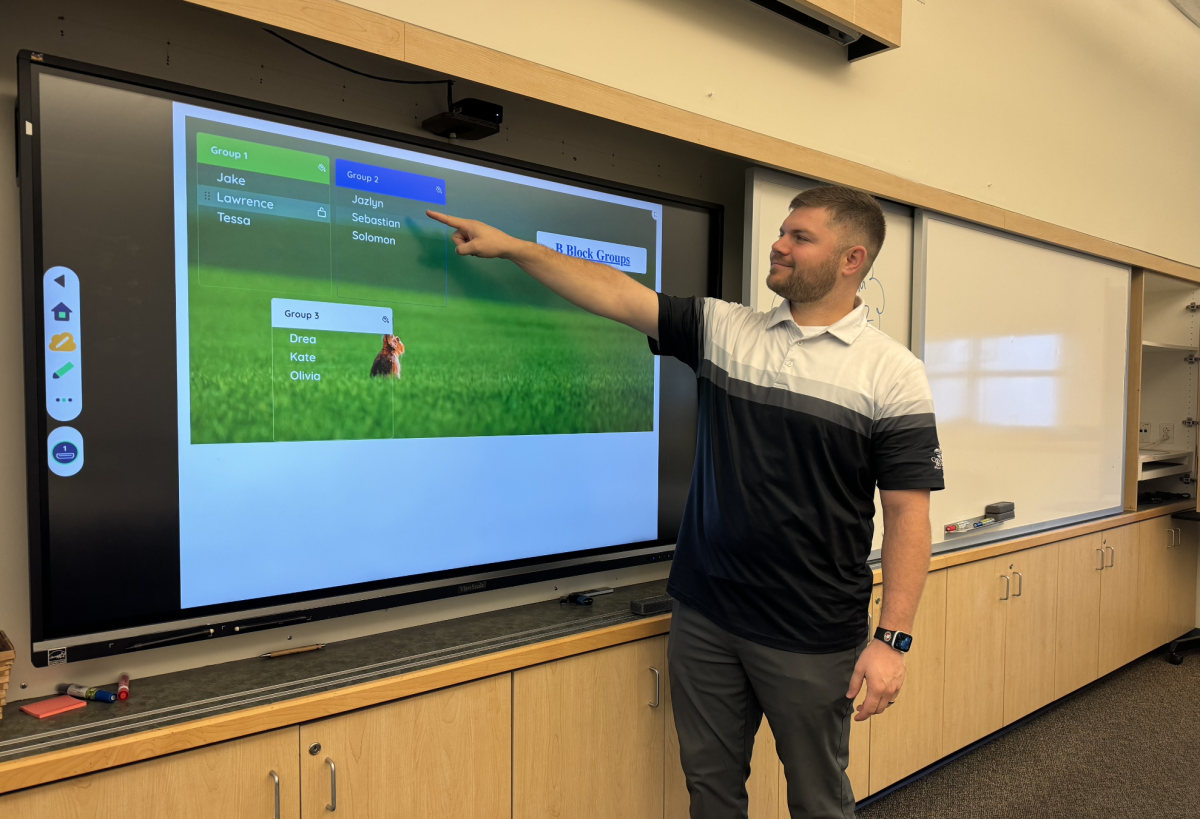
x: 224, y: 619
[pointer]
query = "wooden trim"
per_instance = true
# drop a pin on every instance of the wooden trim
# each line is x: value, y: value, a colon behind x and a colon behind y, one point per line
x: 327, y: 19
x: 1004, y: 547
x: 1133, y: 387
x: 879, y: 19
x: 95, y: 756
x: 354, y: 27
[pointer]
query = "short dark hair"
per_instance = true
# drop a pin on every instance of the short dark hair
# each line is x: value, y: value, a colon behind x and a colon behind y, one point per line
x: 852, y: 209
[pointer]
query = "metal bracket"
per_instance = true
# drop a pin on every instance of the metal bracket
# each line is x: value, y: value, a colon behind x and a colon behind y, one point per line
x: 1191, y: 358
x: 1188, y: 422
x: 1193, y: 307
x: 1187, y: 479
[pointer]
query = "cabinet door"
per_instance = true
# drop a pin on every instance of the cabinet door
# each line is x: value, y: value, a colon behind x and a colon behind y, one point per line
x: 231, y: 779
x: 1182, y: 612
x: 1119, y: 621
x: 1029, y: 636
x: 859, y: 769
x: 908, y: 735
x: 1156, y: 539
x: 442, y: 754
x: 587, y: 740
x: 1077, y: 621
x: 975, y: 609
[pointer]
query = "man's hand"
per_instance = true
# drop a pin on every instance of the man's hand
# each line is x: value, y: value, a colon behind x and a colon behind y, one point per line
x: 882, y: 668
x: 595, y: 287
x: 473, y: 238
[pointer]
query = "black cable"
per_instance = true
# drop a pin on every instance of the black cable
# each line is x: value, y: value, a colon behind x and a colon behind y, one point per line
x: 449, y: 83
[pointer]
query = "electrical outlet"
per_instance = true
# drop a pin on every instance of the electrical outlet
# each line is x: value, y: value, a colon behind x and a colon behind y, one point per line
x: 1144, y: 433
x: 1166, y: 433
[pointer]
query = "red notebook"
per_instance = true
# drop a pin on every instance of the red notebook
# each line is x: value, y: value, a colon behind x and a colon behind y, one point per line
x: 48, y: 708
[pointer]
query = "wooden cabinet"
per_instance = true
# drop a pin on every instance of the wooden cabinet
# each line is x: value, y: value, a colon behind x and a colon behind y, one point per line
x: 859, y: 769
x: 1029, y: 631
x: 442, y: 754
x: 1077, y: 621
x: 1166, y: 581
x: 588, y: 735
x: 231, y: 779
x: 1156, y: 542
x: 975, y: 619
x: 1181, y: 611
x: 908, y: 735
x: 1120, y: 625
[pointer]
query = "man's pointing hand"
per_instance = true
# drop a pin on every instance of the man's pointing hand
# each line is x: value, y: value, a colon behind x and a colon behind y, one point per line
x: 473, y: 238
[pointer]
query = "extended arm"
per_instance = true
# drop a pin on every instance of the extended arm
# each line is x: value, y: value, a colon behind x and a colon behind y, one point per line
x: 595, y: 287
x: 906, y: 551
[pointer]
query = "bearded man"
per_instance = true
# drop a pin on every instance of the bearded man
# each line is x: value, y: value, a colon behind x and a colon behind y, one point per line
x: 803, y: 412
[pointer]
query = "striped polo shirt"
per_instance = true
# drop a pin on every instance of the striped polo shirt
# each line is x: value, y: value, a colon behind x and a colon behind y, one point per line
x: 794, y: 433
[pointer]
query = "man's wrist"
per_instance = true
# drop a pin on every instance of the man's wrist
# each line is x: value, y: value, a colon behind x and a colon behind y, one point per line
x: 900, y: 641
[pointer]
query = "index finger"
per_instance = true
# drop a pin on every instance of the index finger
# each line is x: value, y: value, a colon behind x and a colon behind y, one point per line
x: 445, y: 219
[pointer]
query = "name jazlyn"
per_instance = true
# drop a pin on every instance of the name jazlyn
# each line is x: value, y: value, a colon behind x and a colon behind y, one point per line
x: 371, y: 237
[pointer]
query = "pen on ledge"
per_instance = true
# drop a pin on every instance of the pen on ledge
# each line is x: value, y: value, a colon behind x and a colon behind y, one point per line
x: 292, y: 650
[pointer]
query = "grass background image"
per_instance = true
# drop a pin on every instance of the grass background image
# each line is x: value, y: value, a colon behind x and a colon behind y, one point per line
x: 474, y: 367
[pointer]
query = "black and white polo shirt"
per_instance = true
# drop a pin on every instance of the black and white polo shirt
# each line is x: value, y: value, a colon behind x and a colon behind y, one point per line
x: 795, y: 432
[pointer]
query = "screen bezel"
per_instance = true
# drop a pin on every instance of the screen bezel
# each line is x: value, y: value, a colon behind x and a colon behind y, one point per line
x: 281, y: 610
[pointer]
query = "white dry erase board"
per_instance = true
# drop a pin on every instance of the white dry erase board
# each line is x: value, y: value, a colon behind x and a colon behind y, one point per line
x: 888, y: 288
x: 1025, y: 347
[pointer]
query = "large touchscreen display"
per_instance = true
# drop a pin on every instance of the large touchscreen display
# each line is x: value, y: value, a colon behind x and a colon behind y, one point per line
x: 357, y: 401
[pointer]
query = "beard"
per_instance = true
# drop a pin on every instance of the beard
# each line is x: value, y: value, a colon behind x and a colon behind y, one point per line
x: 805, y: 287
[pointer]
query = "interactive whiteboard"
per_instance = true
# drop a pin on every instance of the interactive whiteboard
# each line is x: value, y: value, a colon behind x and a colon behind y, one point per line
x: 1025, y: 348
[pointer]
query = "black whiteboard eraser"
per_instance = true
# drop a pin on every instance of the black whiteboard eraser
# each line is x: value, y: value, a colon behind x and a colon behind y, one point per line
x: 1001, y: 510
x: 659, y: 604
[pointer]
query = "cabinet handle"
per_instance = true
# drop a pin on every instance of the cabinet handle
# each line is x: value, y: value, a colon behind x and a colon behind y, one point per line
x: 657, y: 688
x: 275, y: 776
x: 1112, y: 556
x: 1100, y: 554
x: 870, y: 624
x: 1007, y: 586
x: 332, y: 806
x: 1020, y: 584
x: 1174, y: 538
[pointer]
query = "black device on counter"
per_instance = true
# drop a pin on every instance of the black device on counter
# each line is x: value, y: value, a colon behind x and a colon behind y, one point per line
x: 658, y: 604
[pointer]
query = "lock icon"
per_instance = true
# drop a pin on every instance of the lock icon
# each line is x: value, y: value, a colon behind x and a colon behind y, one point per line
x: 321, y: 212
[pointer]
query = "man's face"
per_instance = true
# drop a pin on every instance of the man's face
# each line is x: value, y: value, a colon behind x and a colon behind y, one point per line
x: 807, y: 259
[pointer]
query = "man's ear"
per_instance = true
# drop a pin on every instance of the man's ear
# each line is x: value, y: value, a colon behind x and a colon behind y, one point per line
x: 853, y: 260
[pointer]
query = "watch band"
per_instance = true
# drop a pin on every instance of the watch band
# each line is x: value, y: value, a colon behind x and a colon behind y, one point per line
x: 898, y: 640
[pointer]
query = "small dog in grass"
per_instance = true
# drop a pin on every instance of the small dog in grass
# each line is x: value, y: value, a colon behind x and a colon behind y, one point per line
x: 387, y: 363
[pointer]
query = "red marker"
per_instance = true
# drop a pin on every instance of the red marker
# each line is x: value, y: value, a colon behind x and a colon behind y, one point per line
x: 123, y: 687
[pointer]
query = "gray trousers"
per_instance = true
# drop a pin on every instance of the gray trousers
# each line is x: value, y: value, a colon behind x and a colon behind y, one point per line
x: 721, y: 685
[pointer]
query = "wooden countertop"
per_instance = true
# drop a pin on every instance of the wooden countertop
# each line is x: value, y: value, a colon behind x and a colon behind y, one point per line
x: 420, y: 660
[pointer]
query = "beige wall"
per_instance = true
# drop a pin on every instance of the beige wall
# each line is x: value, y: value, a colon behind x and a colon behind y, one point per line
x: 1084, y: 113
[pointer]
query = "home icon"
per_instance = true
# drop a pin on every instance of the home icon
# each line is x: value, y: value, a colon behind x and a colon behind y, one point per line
x: 61, y: 312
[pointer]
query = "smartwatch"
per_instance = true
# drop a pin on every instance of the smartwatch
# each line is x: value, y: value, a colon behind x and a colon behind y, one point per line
x: 896, y: 639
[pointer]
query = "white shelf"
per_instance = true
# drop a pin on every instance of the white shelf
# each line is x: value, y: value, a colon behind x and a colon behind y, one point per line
x: 1162, y: 345
x: 1158, y: 463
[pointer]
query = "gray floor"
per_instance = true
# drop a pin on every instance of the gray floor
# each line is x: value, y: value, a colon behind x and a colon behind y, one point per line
x: 1128, y: 746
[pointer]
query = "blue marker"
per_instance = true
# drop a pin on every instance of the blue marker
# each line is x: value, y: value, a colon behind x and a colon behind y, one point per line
x: 79, y: 692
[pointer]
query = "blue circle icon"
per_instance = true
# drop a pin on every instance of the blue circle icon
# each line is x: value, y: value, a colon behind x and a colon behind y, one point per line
x: 65, y: 452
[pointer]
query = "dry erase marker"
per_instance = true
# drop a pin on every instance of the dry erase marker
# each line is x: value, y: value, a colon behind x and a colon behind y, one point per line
x: 79, y: 692
x: 123, y: 687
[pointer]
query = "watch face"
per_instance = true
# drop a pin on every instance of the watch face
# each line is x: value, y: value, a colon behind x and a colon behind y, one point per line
x: 903, y: 642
